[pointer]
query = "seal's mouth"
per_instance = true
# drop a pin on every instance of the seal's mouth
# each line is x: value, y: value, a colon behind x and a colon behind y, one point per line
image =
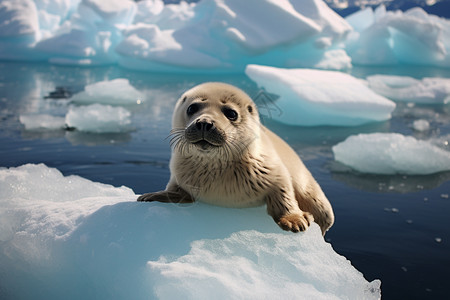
x: 204, y: 145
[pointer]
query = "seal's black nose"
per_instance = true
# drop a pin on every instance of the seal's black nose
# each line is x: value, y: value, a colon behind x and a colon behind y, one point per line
x: 204, y: 126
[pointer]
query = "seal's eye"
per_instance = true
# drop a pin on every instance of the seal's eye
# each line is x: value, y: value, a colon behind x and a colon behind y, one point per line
x: 192, y: 109
x: 231, y: 114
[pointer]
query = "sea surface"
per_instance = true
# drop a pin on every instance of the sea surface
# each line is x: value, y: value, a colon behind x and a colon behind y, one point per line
x: 393, y: 228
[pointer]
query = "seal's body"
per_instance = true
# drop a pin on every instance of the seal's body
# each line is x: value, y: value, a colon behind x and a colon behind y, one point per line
x: 222, y: 155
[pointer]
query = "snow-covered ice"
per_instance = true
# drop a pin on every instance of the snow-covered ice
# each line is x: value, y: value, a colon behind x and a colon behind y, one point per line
x: 99, y: 118
x: 42, y: 121
x: 393, y: 37
x: 113, y: 92
x: 316, y: 97
x: 408, y: 89
x: 391, y: 153
x: 68, y: 237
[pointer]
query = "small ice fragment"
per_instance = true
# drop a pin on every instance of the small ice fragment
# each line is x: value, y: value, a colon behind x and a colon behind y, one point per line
x: 444, y: 196
x: 421, y: 125
x: 438, y: 240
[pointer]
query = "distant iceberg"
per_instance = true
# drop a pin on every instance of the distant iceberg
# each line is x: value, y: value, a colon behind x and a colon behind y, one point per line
x: 391, y: 153
x: 393, y: 37
x: 217, y: 35
x: 59, y: 233
x: 317, y: 97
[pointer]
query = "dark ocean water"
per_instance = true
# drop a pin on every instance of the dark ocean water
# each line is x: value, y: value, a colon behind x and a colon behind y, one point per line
x: 395, y: 228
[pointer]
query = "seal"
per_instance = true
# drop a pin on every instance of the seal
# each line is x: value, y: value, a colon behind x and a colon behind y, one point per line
x: 223, y: 155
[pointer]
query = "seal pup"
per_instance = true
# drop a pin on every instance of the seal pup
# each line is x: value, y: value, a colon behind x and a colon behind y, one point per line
x: 223, y: 155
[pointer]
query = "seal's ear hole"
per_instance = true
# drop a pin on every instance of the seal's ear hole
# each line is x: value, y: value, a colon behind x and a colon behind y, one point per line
x: 250, y: 109
x: 192, y: 109
x: 230, y: 113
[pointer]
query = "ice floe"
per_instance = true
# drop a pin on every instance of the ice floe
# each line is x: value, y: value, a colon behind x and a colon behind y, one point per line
x: 408, y: 89
x: 391, y: 153
x: 99, y: 118
x: 421, y: 125
x: 317, y: 97
x: 59, y: 233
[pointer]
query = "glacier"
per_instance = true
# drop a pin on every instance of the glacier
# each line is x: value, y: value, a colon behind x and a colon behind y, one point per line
x: 218, y: 36
x: 78, y: 239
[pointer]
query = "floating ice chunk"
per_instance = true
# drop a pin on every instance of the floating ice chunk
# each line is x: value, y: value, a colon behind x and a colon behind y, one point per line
x: 255, y: 265
x: 411, y: 37
x: 99, y: 118
x: 113, y: 92
x: 403, y: 88
x: 421, y: 125
x: 315, y: 97
x: 42, y: 121
x: 76, y: 232
x: 391, y: 153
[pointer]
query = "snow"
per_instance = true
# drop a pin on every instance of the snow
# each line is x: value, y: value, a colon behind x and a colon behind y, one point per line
x: 112, y: 92
x: 393, y: 37
x: 78, y: 239
x: 99, y: 118
x: 317, y: 97
x: 408, y: 89
x: 391, y: 153
x: 42, y: 121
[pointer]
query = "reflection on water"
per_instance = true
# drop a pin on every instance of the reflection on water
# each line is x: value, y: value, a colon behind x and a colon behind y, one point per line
x: 139, y: 159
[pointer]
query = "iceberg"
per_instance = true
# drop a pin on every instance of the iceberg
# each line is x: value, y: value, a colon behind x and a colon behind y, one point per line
x: 77, y: 233
x: 227, y: 35
x: 408, y: 89
x: 112, y: 92
x: 393, y: 37
x: 317, y: 97
x: 218, y: 35
x: 98, y: 118
x: 211, y: 35
x: 391, y: 153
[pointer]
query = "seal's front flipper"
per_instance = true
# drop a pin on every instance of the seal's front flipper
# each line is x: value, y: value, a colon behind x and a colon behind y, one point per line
x: 167, y: 197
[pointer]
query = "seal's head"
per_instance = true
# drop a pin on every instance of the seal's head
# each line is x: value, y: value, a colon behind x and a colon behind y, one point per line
x: 214, y: 118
